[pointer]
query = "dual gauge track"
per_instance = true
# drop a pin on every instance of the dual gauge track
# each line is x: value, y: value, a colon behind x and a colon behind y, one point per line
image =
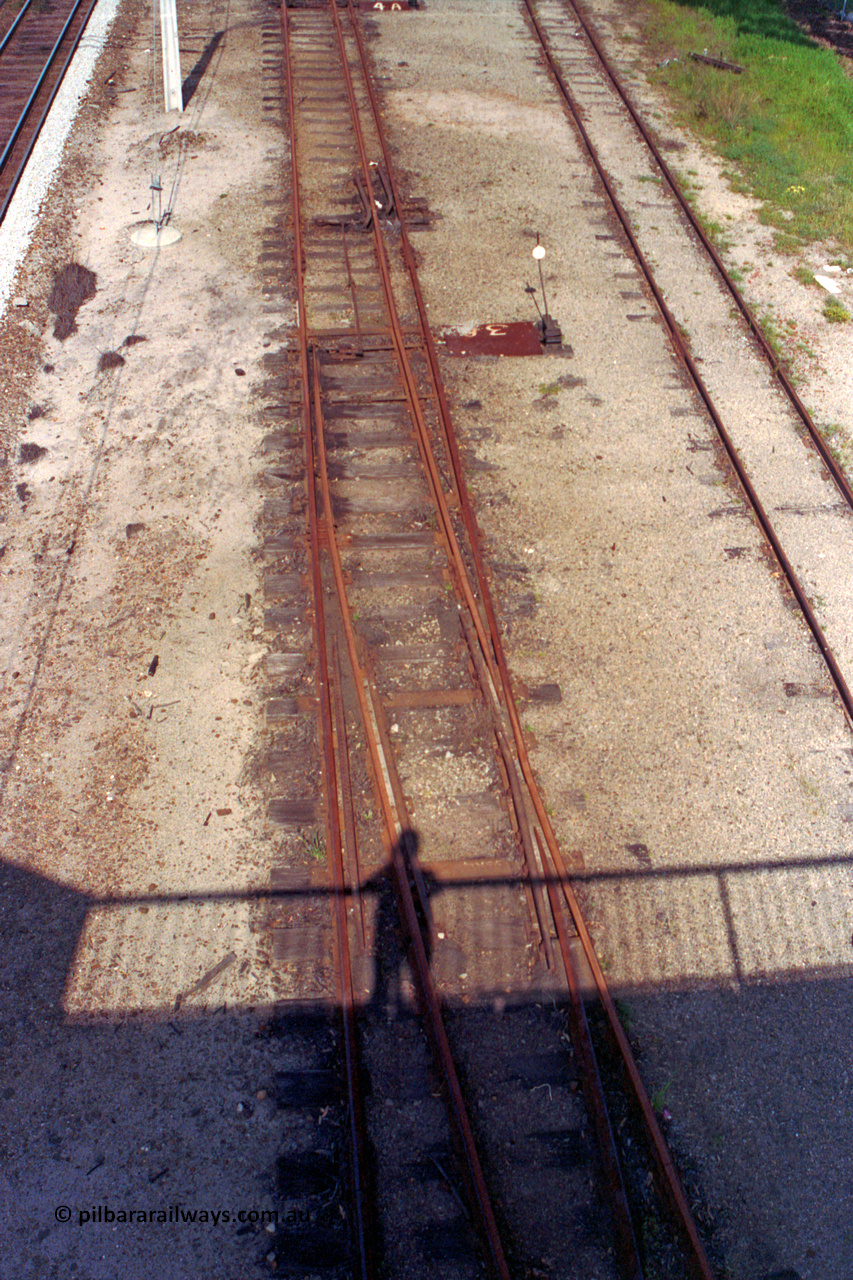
x: 454, y: 921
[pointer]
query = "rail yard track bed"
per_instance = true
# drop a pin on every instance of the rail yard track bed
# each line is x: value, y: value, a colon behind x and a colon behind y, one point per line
x: 661, y: 667
x: 248, y: 653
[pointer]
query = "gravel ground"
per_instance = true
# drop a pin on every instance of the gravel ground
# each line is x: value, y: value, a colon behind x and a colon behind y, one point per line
x: 706, y: 809
x: 132, y: 826
x: 716, y: 870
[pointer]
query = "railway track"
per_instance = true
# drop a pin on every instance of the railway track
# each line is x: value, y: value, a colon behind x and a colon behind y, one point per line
x: 792, y: 507
x: 37, y: 44
x: 444, y: 876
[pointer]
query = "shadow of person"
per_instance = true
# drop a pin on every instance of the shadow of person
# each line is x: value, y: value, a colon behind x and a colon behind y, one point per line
x: 391, y: 931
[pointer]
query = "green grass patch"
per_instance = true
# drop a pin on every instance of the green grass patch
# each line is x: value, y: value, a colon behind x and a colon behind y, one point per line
x: 785, y: 125
x: 719, y: 235
x: 659, y: 1097
x: 314, y: 846
x: 835, y: 312
x: 770, y: 328
x: 840, y: 444
x: 785, y: 243
x: 626, y: 1015
x: 803, y: 274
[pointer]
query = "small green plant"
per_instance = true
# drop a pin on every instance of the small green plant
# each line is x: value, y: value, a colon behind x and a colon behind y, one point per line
x: 659, y: 1097
x: 626, y: 1015
x: 784, y: 242
x: 803, y: 274
x: 716, y: 233
x: 835, y: 312
x: 314, y: 845
x: 770, y: 329
x: 549, y: 388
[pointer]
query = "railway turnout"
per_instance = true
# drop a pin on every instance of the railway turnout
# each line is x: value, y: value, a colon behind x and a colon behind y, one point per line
x: 408, y: 651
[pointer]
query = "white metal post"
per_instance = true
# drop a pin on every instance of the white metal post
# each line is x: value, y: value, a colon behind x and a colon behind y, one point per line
x: 172, y: 88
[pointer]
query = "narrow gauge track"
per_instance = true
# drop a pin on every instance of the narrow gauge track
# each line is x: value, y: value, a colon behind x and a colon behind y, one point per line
x: 416, y: 719
x: 606, y: 120
x: 37, y: 44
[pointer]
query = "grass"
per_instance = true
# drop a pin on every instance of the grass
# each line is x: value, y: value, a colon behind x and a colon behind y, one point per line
x: 626, y: 1015
x: 659, y: 1097
x: 770, y: 328
x: 835, y: 312
x: 719, y: 235
x: 785, y: 125
x: 314, y: 846
x: 803, y: 274
x: 787, y: 244
x: 840, y: 444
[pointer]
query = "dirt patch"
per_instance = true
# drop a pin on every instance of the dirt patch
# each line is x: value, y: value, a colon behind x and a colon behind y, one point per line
x: 828, y: 28
x: 73, y: 285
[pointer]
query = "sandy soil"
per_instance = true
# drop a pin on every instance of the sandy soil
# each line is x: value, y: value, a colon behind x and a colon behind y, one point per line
x: 132, y: 822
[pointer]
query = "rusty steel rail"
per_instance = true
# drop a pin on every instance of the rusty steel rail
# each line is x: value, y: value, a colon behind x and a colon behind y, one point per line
x: 373, y: 715
x: 681, y: 351
x: 838, y: 476
x: 395, y: 821
x: 371, y: 712
x: 668, y: 1181
x: 363, y: 1228
x: 488, y: 659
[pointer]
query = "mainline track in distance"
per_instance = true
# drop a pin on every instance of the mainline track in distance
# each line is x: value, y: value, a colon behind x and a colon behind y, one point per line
x: 37, y: 45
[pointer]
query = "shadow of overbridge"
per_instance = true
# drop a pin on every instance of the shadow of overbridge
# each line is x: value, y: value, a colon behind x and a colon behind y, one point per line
x: 764, y: 18
x: 143, y: 1070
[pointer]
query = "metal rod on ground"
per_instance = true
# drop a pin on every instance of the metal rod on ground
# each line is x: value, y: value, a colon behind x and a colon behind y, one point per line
x: 539, y: 254
x: 528, y: 288
x: 157, y: 189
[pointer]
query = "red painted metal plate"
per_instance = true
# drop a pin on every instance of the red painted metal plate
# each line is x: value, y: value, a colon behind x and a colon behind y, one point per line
x: 519, y: 338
